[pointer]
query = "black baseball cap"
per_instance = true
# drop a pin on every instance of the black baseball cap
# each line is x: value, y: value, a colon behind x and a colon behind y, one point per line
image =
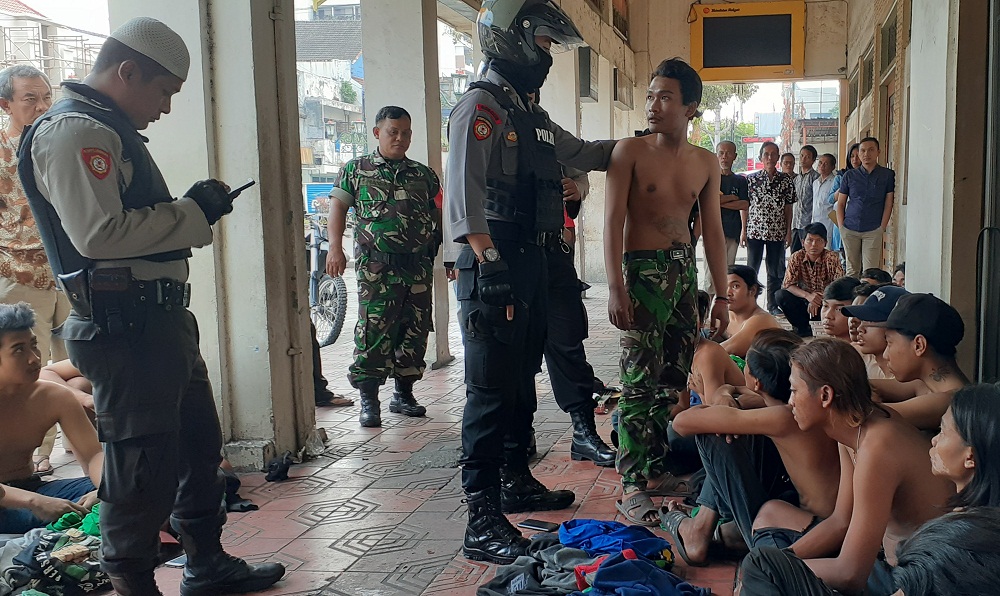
x: 927, y: 315
x: 877, y: 307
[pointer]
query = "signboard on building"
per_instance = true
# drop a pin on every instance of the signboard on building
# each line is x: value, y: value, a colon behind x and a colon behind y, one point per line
x: 316, y: 197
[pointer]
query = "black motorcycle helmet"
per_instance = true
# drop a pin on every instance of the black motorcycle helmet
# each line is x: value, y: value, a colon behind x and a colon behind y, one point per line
x: 507, y: 29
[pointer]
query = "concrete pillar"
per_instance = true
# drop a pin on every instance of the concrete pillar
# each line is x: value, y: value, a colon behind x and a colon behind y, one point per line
x: 390, y: 31
x: 947, y: 132
x: 596, y: 122
x: 236, y: 118
x: 561, y: 91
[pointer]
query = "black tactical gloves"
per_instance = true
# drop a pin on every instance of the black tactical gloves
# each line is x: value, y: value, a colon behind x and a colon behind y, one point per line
x: 212, y: 197
x: 494, y: 284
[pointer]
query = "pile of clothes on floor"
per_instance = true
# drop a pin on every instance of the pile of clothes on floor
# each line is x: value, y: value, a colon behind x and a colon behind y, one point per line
x: 591, y: 557
x: 58, y: 560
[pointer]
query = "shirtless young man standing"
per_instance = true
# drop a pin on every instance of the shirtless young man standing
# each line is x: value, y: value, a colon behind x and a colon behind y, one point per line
x: 887, y: 488
x: 747, y: 318
x: 31, y: 407
x: 653, y: 182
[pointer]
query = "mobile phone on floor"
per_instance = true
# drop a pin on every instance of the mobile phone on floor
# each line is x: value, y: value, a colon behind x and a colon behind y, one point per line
x: 177, y: 563
x: 537, y: 524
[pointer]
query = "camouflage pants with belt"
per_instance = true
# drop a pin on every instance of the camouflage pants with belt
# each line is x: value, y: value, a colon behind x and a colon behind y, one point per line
x: 656, y: 359
x: 394, y: 320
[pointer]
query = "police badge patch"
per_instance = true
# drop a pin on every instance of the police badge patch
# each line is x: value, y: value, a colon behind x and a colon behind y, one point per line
x: 98, y: 161
x: 482, y: 128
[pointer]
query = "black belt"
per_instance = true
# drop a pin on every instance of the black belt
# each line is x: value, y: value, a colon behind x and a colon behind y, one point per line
x: 411, y: 259
x: 506, y: 230
x: 167, y: 293
x: 677, y: 253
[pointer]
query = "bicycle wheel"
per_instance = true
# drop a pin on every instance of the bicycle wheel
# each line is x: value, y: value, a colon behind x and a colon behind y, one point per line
x: 330, y: 309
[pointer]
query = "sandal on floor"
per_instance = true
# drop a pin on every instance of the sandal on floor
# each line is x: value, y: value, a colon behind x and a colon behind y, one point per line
x: 332, y: 400
x: 42, y: 465
x: 669, y: 485
x: 637, y: 501
x: 670, y: 522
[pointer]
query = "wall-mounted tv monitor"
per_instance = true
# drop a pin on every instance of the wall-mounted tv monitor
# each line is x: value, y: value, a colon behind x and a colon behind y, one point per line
x: 752, y: 41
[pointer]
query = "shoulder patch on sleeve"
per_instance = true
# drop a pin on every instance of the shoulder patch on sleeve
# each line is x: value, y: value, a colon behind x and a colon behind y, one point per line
x: 493, y: 114
x: 98, y: 161
x: 482, y: 128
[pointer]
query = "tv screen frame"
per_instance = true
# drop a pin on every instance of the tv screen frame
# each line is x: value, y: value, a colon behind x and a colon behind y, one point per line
x: 790, y: 69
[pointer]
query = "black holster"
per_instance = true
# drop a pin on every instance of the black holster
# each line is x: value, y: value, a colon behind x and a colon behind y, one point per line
x: 76, y: 285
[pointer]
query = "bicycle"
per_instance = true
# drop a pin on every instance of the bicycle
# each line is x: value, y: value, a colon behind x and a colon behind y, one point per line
x: 327, y: 295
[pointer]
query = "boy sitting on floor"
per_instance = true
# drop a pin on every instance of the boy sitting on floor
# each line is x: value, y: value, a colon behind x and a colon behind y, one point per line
x: 922, y: 334
x: 32, y: 407
x: 742, y: 473
x: 887, y: 489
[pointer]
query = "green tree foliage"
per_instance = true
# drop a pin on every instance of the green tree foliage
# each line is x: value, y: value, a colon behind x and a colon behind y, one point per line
x: 729, y: 131
x: 347, y: 93
x: 713, y: 97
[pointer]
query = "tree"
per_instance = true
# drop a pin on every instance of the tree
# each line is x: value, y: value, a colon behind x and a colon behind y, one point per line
x: 713, y: 97
x: 729, y: 131
x: 347, y: 93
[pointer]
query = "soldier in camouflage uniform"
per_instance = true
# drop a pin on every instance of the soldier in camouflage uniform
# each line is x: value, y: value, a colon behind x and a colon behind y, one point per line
x: 396, y: 240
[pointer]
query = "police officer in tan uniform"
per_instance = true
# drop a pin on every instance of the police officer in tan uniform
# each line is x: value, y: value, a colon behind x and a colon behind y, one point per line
x: 119, y: 243
x: 503, y: 199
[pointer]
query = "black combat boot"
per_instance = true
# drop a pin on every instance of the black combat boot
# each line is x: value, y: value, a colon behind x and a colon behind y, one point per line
x: 403, y: 402
x: 371, y: 410
x: 587, y: 444
x: 489, y: 536
x: 135, y: 584
x: 520, y: 491
x: 210, y: 570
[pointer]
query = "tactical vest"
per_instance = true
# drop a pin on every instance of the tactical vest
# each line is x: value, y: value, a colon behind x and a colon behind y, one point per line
x: 537, y: 200
x: 146, y: 189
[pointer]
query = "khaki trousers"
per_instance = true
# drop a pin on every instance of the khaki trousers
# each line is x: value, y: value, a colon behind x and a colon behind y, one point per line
x: 863, y: 249
x: 732, y: 245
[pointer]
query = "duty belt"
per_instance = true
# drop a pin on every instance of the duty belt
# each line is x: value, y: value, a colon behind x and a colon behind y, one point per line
x: 506, y: 230
x: 411, y: 259
x: 677, y: 253
x: 118, y: 283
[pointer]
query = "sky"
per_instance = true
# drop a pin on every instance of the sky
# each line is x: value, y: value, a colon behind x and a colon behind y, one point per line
x: 89, y: 15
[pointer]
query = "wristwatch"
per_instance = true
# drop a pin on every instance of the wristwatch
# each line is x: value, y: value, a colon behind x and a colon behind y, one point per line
x: 491, y: 255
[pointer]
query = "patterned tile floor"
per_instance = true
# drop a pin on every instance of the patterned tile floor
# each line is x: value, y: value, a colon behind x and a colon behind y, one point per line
x: 380, y: 513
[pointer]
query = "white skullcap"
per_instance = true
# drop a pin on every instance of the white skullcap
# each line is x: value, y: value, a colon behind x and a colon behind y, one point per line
x: 156, y: 41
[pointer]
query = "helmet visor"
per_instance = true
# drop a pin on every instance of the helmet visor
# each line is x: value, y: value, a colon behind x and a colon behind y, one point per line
x: 562, y: 40
x: 501, y: 13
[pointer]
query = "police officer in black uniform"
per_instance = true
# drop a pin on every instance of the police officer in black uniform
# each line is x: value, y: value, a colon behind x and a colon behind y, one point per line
x: 503, y: 200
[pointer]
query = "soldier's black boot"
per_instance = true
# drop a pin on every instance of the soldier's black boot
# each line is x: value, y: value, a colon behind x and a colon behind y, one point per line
x: 135, y: 584
x: 520, y: 491
x: 587, y: 444
x: 371, y: 410
x: 210, y: 570
x: 403, y: 402
x: 489, y: 536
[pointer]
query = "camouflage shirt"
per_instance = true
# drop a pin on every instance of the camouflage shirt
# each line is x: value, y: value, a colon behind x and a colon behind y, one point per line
x: 393, y: 202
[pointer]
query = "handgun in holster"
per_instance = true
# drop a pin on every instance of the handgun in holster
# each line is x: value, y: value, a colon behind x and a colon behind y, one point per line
x: 76, y: 285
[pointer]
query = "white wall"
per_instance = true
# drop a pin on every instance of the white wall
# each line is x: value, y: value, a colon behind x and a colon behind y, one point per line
x: 929, y: 186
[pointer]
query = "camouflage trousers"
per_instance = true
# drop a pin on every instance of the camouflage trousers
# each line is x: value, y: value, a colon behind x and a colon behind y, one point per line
x: 656, y: 359
x: 394, y: 319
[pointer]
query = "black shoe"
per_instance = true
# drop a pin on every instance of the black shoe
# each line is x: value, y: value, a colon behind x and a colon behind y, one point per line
x: 231, y: 575
x: 520, y: 491
x: 775, y: 311
x: 489, y: 536
x: 403, y: 402
x: 804, y: 332
x: 371, y: 410
x: 587, y: 444
x: 210, y: 571
x: 135, y: 584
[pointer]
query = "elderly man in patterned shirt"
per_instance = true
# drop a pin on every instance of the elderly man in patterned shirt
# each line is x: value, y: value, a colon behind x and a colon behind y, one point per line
x: 810, y: 270
x: 25, y: 274
x: 768, y: 221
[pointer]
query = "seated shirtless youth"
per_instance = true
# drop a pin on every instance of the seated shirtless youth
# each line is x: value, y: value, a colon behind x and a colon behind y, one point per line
x: 653, y: 182
x: 887, y: 489
x: 31, y: 407
x: 746, y: 317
